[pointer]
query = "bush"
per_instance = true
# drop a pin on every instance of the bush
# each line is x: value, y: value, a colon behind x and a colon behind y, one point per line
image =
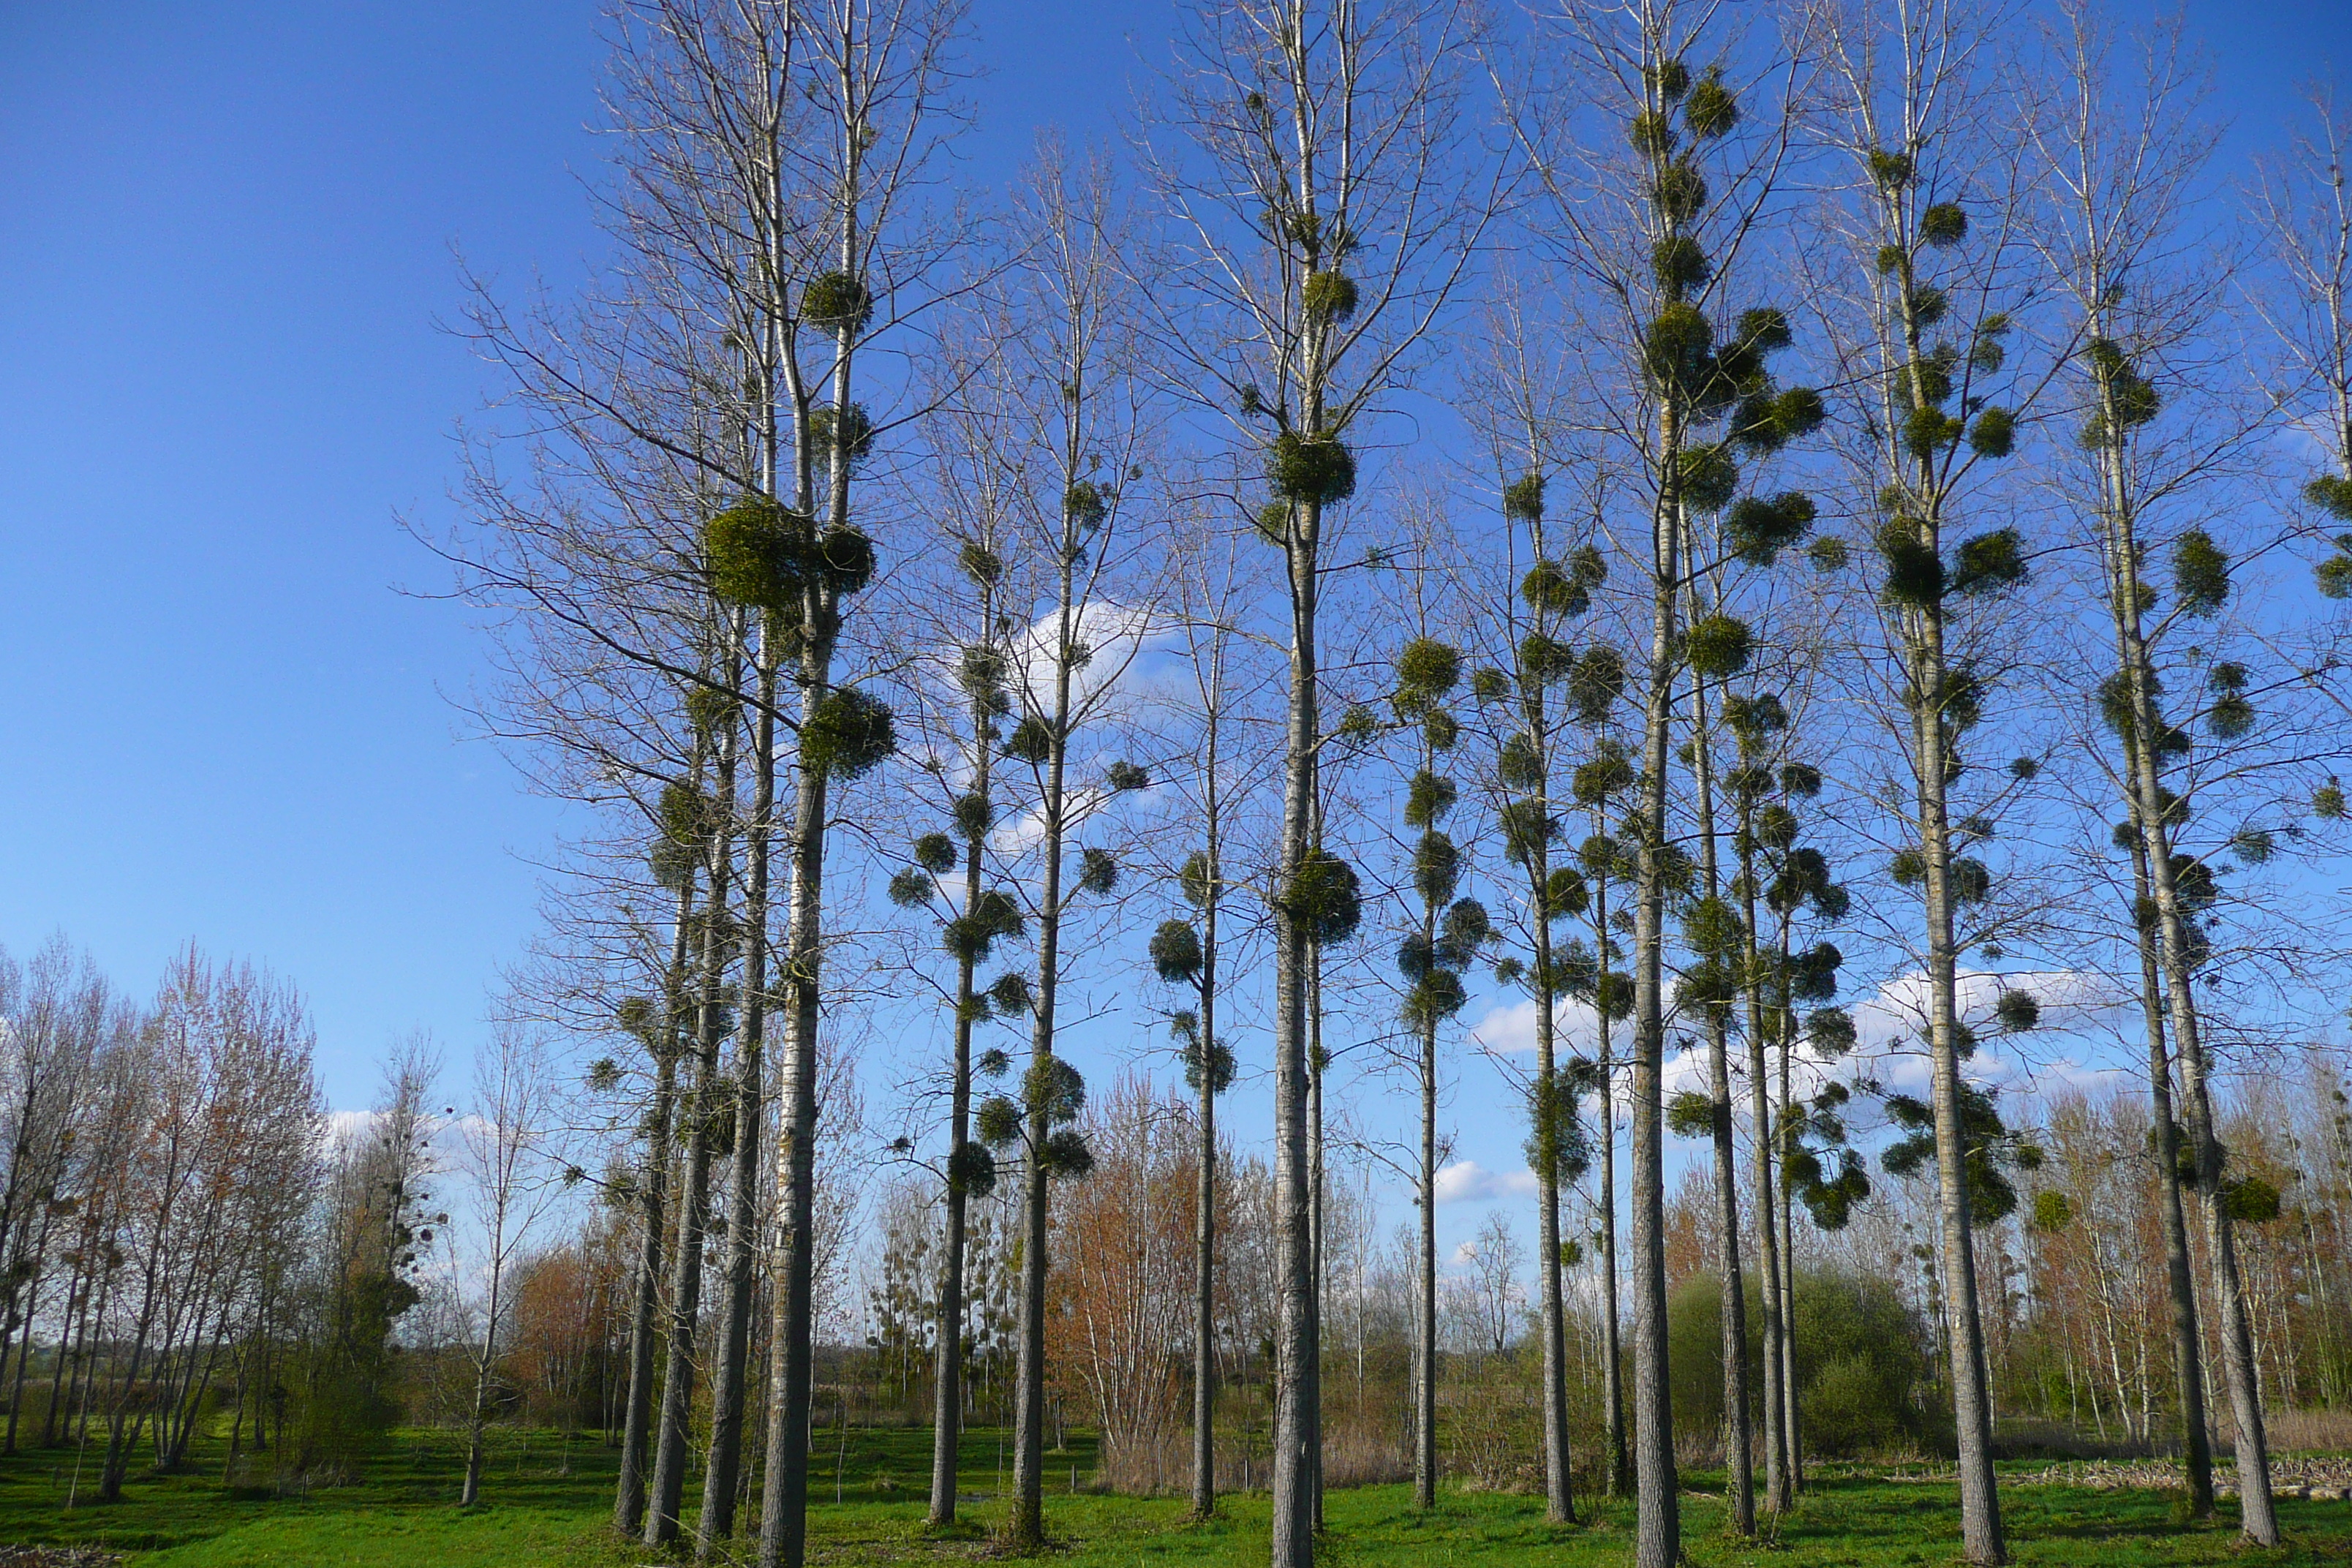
x: 1861, y: 1365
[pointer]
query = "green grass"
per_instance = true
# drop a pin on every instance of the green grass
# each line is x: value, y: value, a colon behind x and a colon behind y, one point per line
x: 547, y: 1506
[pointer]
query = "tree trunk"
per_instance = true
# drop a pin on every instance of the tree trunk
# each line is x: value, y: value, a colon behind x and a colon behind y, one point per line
x: 1204, y: 1224
x: 2180, y: 1285
x: 947, y: 1407
x: 784, y: 1507
x: 1559, y: 1502
x: 1294, y: 1390
x: 1619, y: 1459
x: 723, y: 1468
x: 1425, y: 1315
x: 1026, y: 1526
x: 1658, y: 1512
x: 629, y: 1497
x: 1779, y: 1495
x: 470, y: 1493
x: 1739, y: 1475
x: 1792, y: 1432
x: 1980, y: 1523
x: 676, y: 1411
x: 1316, y: 1194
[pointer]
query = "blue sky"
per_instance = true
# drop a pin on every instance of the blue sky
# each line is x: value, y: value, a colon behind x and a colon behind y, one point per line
x: 226, y: 235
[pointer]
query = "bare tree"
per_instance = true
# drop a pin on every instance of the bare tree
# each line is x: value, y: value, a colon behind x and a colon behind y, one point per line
x: 1929, y: 237
x: 1657, y: 227
x: 1320, y: 220
x: 1206, y: 605
x: 501, y: 1139
x: 1073, y: 364
x: 1442, y: 940
x: 226, y: 1118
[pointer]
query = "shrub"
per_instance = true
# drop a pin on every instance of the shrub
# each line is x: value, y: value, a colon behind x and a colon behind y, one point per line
x: 1862, y: 1364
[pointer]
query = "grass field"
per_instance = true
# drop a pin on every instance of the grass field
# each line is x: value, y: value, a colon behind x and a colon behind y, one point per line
x: 547, y: 1506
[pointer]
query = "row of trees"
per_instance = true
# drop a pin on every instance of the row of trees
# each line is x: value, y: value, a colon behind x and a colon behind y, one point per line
x: 183, y: 1231
x: 2071, y: 1280
x: 1783, y: 358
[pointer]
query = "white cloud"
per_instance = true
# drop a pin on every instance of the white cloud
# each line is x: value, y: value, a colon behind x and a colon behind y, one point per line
x: 1467, y: 1182
x: 1118, y: 635
x: 445, y: 1135
x: 2070, y: 998
x: 1509, y: 1028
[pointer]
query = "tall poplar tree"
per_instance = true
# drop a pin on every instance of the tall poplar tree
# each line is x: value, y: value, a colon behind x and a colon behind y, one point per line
x: 1909, y: 114
x: 1656, y: 226
x: 1431, y: 960
x: 1071, y: 342
x: 2150, y: 303
x: 1321, y: 220
x: 1185, y: 953
x: 950, y: 869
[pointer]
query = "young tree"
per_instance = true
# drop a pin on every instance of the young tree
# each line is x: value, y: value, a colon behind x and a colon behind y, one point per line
x: 1070, y: 341
x: 1185, y: 955
x: 1603, y: 785
x: 658, y: 1027
x: 1786, y: 878
x: 377, y: 1226
x: 1557, y: 586
x: 1431, y: 960
x: 503, y: 1153
x: 974, y: 669
x: 1321, y: 222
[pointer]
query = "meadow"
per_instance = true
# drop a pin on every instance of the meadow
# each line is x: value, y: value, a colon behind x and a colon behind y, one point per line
x: 549, y: 1500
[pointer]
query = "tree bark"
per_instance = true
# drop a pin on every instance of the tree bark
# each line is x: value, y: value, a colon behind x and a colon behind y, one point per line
x: 1779, y: 1494
x: 1026, y: 1526
x: 1292, y: 1534
x: 783, y: 1505
x: 1560, y: 1502
x: 1980, y: 1523
x: 1316, y: 1192
x: 1424, y: 1314
x: 1792, y: 1431
x: 1619, y: 1458
x: 947, y: 1407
